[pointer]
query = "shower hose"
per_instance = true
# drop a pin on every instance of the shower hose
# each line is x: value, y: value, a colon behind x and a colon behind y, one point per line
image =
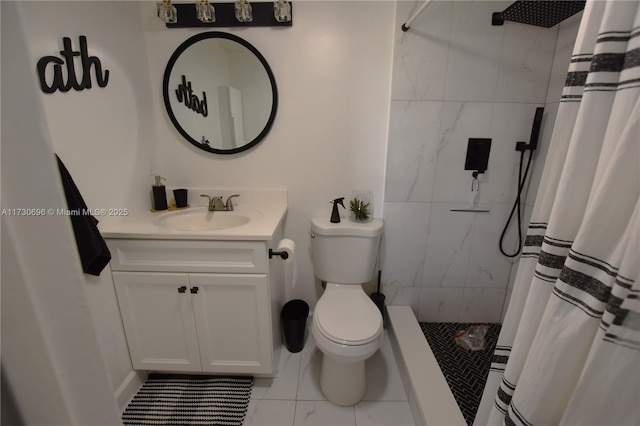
x: 517, y: 205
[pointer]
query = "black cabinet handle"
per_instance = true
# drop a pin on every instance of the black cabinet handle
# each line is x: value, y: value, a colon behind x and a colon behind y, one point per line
x: 182, y: 289
x: 194, y: 290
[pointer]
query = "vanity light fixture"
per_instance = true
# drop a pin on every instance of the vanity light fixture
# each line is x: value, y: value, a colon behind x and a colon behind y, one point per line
x: 237, y: 13
x: 205, y: 12
x: 282, y: 11
x: 244, y: 12
x: 167, y: 12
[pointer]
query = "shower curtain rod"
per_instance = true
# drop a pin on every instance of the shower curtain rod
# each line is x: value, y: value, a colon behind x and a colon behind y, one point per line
x: 422, y: 7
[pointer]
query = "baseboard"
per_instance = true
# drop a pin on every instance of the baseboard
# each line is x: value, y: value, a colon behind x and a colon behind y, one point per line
x: 128, y: 388
x: 430, y: 397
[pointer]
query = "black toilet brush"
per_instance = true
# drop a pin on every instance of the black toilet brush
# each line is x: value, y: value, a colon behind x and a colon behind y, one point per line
x: 378, y: 300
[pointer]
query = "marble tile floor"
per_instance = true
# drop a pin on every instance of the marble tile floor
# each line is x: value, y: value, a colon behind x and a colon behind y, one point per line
x: 294, y: 397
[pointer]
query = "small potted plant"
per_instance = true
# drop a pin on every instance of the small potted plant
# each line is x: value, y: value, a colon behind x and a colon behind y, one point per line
x: 360, y: 209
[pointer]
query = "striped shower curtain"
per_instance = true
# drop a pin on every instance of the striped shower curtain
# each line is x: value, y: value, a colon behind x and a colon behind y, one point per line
x: 569, y: 350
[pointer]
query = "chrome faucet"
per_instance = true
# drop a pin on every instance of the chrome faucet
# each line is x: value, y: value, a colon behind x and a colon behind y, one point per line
x: 216, y: 204
x: 228, y: 205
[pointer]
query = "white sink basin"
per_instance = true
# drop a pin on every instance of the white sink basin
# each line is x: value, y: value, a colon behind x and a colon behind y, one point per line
x: 200, y: 219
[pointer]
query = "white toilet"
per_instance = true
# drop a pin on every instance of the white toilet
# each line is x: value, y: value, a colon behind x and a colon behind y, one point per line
x: 347, y: 325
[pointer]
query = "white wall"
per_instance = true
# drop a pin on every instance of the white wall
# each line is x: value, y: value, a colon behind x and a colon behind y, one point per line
x: 333, y: 71
x: 51, y: 359
x: 457, y: 77
x: 105, y: 136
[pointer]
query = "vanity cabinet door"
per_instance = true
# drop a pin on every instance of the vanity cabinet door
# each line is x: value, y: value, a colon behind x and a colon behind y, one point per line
x: 233, y: 322
x: 157, y: 313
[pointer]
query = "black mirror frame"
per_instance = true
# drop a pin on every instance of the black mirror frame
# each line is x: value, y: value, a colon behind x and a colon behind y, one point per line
x: 165, y: 91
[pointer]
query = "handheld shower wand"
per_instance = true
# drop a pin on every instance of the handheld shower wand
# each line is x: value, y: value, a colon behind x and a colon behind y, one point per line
x: 522, y: 147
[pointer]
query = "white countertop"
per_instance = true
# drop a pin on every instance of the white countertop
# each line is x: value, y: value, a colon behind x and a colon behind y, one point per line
x: 272, y: 205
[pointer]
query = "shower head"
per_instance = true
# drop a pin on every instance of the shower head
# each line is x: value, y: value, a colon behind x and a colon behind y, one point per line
x: 541, y: 13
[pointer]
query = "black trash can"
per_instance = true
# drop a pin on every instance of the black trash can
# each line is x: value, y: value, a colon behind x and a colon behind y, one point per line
x: 294, y: 322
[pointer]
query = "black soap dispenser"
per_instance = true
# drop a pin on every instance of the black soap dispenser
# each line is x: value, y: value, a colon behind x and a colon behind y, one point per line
x: 159, y: 194
x: 335, y: 215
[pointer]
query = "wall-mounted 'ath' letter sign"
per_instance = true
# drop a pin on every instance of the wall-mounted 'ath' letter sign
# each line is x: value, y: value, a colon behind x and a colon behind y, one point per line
x: 55, y: 75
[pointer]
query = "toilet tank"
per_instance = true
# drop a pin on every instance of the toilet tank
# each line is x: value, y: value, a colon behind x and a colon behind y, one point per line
x: 345, y: 252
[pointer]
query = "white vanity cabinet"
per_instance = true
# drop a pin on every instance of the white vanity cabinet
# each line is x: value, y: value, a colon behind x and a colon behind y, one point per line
x: 196, y: 306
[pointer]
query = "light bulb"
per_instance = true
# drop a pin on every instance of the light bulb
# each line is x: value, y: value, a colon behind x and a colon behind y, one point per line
x: 244, y: 12
x: 282, y: 11
x: 167, y: 12
x: 205, y: 12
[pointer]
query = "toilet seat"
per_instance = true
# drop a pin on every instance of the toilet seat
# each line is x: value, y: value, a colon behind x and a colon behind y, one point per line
x: 346, y: 315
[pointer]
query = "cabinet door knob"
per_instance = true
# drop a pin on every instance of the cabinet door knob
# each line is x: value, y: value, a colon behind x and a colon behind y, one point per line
x: 182, y: 289
x: 194, y: 290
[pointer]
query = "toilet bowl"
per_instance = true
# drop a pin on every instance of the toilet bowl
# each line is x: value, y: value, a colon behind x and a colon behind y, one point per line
x: 347, y: 328
x: 347, y: 325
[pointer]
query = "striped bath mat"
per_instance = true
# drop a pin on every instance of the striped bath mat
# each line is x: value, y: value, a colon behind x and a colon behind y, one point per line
x: 178, y: 399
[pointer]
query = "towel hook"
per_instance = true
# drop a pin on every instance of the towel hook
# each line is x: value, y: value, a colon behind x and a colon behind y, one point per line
x: 475, y: 183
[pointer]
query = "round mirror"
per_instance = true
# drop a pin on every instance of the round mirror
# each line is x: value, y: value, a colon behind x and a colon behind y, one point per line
x: 220, y: 93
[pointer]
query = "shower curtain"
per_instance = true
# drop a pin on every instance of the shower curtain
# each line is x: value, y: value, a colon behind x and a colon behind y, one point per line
x: 569, y: 350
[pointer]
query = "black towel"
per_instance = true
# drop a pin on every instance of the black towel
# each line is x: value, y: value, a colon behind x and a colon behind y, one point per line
x: 94, y: 253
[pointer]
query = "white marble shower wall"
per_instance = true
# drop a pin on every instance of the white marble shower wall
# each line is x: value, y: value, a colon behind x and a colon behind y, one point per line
x: 457, y: 77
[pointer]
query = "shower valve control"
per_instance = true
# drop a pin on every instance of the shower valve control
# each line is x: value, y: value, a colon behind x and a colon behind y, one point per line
x: 478, y: 155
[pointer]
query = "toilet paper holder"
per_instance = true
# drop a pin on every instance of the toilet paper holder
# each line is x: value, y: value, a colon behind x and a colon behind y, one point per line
x: 283, y: 254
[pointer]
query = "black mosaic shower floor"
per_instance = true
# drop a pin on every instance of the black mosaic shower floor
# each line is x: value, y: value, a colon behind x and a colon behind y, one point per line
x: 465, y: 371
